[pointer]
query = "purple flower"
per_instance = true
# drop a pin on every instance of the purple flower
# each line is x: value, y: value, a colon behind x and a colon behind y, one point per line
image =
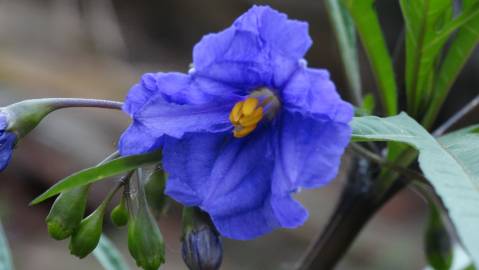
x: 7, y: 142
x: 246, y: 128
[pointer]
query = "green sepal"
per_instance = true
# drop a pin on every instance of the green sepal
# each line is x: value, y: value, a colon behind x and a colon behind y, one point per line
x: 67, y: 212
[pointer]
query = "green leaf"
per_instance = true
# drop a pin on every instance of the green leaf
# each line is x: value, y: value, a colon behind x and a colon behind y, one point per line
x: 457, y: 55
x: 346, y: 36
x: 423, y: 21
x: 451, y: 164
x: 368, y: 105
x: 93, y: 174
x: 5, y: 257
x: 429, y: 25
x: 109, y: 256
x: 367, y: 24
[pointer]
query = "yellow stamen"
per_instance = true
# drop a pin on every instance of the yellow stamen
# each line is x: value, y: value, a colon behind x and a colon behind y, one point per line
x: 249, y: 106
x: 245, y: 116
x: 235, y: 114
x: 252, y: 119
x: 243, y: 131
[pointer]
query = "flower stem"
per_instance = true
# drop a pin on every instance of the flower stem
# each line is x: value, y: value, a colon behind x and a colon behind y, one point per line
x: 27, y: 114
x: 59, y: 103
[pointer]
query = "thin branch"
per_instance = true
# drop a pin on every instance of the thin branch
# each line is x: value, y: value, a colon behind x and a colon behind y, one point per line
x: 457, y: 116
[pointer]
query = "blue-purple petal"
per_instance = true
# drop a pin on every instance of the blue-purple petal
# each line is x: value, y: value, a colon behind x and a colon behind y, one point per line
x: 233, y: 56
x: 289, y: 212
x: 178, y: 88
x: 164, y: 118
x: 173, y: 104
x: 189, y: 162
x: 311, y: 91
x: 247, y: 225
x: 286, y: 36
x: 182, y: 89
x: 137, y: 139
x: 139, y: 94
x: 308, y: 151
x: 231, y: 180
x: 261, y: 48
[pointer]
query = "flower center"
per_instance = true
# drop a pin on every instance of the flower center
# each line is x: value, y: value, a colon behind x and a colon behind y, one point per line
x: 246, y: 114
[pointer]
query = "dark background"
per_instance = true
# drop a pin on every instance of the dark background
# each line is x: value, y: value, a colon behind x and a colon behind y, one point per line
x: 98, y: 49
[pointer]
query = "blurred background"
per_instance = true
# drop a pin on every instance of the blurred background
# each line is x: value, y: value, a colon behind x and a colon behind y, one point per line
x: 98, y: 49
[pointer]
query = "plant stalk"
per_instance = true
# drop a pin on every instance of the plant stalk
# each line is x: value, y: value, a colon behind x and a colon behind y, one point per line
x: 59, y: 103
x: 361, y: 198
x: 349, y: 218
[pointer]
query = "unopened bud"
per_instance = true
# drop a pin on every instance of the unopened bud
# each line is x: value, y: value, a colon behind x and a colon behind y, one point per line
x: 119, y: 214
x: 18, y: 119
x: 67, y: 212
x: 26, y: 115
x: 202, y: 246
x: 155, y: 191
x: 145, y: 241
x: 85, y: 239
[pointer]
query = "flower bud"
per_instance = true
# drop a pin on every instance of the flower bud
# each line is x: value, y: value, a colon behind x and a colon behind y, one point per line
x: 85, y: 239
x: 26, y: 115
x: 202, y: 247
x: 145, y: 241
x: 154, y: 190
x: 17, y: 120
x: 119, y: 214
x: 67, y: 212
